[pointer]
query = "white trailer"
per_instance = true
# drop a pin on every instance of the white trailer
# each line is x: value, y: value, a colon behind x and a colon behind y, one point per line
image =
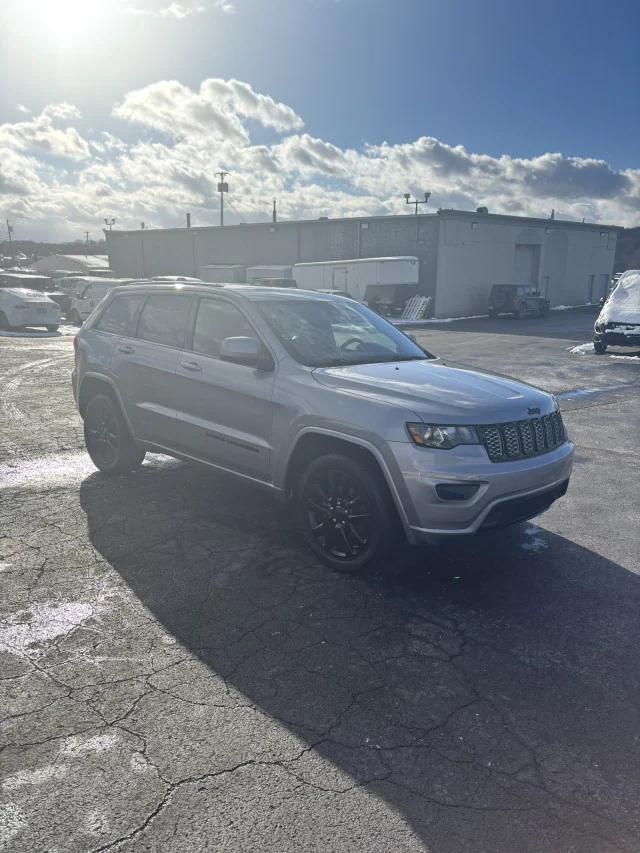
x: 379, y: 282
x: 223, y: 273
x: 256, y: 274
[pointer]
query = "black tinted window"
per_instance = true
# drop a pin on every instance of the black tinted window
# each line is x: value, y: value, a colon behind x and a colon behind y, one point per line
x: 216, y: 321
x: 164, y: 319
x: 120, y: 316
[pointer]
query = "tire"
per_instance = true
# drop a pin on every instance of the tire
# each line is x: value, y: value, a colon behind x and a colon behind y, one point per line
x: 107, y: 439
x: 52, y: 328
x: 499, y: 300
x: 493, y: 313
x: 600, y: 347
x: 543, y: 310
x: 328, y: 491
x: 5, y: 325
x: 75, y: 319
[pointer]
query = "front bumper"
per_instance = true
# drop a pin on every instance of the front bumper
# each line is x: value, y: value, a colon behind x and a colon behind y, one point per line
x: 617, y: 339
x: 506, y: 492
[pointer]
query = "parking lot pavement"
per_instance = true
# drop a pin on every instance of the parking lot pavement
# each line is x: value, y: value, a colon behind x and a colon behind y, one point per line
x: 179, y: 674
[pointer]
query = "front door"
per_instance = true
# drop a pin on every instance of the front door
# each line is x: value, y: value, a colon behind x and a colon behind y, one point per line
x: 224, y: 409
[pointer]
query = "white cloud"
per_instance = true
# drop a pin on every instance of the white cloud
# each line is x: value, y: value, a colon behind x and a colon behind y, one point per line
x: 179, y: 10
x: 55, y: 183
x: 42, y: 133
x: 22, y: 109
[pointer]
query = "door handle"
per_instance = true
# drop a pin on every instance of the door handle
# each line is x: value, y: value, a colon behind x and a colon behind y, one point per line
x: 125, y: 349
x: 191, y: 365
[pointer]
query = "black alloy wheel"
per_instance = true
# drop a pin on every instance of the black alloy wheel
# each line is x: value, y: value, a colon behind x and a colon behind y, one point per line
x: 600, y: 347
x: 345, y: 513
x: 107, y: 439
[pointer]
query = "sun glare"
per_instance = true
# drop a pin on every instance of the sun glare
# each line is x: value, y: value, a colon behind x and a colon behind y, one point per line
x: 65, y: 19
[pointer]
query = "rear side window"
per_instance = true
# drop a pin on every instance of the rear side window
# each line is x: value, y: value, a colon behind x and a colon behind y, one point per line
x: 120, y: 316
x: 164, y: 319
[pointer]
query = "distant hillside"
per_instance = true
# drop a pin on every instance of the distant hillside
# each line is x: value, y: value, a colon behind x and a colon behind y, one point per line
x: 628, y: 250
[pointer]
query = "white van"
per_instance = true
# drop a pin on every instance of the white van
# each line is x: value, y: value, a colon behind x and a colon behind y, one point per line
x: 90, y: 291
x: 21, y: 307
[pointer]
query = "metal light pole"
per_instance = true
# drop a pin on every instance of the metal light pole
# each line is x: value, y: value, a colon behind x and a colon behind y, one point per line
x: 110, y: 223
x: 223, y: 188
x: 407, y: 198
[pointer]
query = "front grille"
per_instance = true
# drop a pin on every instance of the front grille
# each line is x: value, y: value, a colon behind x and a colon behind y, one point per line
x: 521, y: 439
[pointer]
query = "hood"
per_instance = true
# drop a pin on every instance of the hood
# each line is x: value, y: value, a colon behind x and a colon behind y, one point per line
x: 623, y: 304
x: 439, y: 392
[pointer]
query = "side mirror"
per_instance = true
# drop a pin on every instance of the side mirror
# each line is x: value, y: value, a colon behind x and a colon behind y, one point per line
x: 248, y: 351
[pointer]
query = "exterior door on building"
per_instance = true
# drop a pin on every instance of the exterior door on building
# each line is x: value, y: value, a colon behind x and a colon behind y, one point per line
x: 526, y: 264
x: 592, y: 289
x: 604, y: 285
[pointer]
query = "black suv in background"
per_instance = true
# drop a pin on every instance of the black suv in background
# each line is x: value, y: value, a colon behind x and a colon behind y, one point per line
x: 520, y: 300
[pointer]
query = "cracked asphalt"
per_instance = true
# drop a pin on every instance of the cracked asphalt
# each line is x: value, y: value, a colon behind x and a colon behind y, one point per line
x: 177, y: 673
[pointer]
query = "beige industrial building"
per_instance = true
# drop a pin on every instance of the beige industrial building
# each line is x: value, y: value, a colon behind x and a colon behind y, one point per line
x: 461, y: 254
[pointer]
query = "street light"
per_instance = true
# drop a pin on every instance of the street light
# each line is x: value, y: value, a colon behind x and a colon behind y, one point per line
x: 110, y: 222
x: 407, y: 198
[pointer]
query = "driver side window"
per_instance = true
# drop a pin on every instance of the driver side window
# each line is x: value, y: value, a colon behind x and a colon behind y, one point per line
x: 215, y: 321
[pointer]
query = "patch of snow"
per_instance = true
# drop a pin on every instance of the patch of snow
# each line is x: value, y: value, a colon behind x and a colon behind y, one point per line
x: 569, y: 307
x: 35, y: 777
x: 582, y: 349
x: 436, y: 320
x: 98, y: 743
x: 43, y: 623
x: 63, y: 331
x: 626, y: 357
x: 534, y: 541
x: 12, y: 821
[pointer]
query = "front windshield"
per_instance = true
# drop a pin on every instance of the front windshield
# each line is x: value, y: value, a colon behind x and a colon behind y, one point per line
x: 328, y: 333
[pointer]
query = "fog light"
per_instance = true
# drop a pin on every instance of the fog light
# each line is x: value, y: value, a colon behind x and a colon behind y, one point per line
x: 456, y: 491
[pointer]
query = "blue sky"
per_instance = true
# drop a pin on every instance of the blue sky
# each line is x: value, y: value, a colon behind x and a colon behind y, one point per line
x: 497, y: 85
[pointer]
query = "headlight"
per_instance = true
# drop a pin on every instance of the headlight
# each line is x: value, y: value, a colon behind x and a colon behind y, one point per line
x: 442, y: 437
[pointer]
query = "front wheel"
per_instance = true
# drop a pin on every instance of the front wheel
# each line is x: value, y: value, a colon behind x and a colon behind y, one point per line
x: 345, y: 512
x: 521, y: 313
x: 544, y: 309
x: 52, y: 328
x: 107, y: 439
x: 600, y: 347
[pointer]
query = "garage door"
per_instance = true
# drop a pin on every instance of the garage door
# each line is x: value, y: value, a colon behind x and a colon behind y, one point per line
x: 526, y: 265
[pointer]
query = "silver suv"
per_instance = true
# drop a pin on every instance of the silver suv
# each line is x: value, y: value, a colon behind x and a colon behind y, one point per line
x: 319, y: 399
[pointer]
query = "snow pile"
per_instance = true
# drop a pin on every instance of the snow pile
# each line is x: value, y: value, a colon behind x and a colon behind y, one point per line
x: 581, y: 349
x: 623, y: 305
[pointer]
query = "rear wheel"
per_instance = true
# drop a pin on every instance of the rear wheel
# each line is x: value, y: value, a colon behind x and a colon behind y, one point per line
x: 600, y: 347
x: 345, y: 513
x: 52, y: 328
x: 5, y: 325
x: 544, y: 309
x: 108, y: 441
x: 521, y: 313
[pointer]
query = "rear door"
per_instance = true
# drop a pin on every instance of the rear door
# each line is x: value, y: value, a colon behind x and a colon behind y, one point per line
x: 144, y: 366
x: 225, y: 409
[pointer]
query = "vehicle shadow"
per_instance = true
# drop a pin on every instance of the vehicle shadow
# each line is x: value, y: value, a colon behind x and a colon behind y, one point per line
x: 487, y: 692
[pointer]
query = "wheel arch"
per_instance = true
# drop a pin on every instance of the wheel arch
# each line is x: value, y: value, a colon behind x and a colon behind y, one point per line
x: 96, y: 383
x: 314, y: 442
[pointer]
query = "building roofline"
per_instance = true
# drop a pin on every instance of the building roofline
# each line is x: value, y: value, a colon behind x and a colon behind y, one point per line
x: 442, y: 212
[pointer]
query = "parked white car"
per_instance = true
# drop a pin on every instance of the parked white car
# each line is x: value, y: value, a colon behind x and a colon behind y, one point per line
x: 20, y: 307
x: 90, y: 292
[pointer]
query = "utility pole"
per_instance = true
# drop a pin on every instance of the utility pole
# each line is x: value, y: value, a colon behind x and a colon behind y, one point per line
x: 223, y: 188
x: 86, y: 234
x: 275, y: 213
x: 9, y: 233
x: 407, y: 198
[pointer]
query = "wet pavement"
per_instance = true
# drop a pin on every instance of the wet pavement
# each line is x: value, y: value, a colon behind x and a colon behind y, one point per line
x: 179, y: 674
